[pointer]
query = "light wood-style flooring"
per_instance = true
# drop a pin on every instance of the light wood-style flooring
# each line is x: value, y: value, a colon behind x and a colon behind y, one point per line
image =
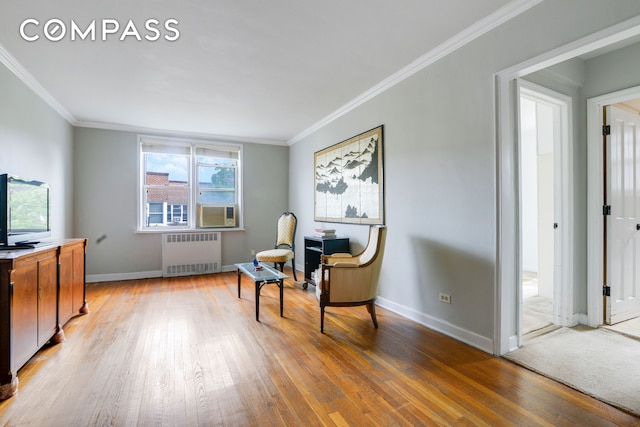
x: 188, y: 352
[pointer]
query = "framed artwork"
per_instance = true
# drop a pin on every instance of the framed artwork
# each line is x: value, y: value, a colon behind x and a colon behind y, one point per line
x: 349, y: 180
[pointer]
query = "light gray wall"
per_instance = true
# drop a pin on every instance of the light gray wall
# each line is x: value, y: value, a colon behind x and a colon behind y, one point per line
x: 36, y: 143
x: 440, y: 167
x: 613, y: 71
x: 105, y: 163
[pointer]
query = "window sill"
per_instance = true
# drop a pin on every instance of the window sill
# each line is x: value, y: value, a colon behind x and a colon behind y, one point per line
x: 187, y: 230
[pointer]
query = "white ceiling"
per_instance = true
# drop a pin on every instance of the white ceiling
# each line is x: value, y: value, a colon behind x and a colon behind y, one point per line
x: 244, y: 69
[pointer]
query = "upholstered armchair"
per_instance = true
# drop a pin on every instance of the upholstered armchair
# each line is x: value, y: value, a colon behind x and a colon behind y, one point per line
x: 352, y: 280
x: 284, y: 249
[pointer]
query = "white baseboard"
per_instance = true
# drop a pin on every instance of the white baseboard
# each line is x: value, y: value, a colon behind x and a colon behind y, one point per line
x: 580, y: 319
x: 467, y: 337
x: 227, y: 268
x: 92, y: 278
x: 513, y: 343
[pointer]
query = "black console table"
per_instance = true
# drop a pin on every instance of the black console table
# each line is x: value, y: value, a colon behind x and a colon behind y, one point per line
x: 315, y: 247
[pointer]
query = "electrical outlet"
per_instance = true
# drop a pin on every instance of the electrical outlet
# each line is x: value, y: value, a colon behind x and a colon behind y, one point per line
x: 445, y: 298
x: 253, y: 252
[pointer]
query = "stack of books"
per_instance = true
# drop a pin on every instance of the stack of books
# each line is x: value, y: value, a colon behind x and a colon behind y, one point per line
x: 325, y: 233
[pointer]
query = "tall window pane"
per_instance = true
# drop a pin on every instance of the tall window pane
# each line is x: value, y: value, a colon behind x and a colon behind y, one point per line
x: 217, y: 181
x: 155, y: 213
x: 166, y: 185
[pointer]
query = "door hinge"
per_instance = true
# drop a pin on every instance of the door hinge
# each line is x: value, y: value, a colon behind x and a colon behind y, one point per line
x: 606, y: 130
x: 606, y: 290
x: 606, y: 210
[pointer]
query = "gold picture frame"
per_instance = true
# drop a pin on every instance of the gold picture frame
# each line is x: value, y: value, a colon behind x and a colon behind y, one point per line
x: 349, y: 180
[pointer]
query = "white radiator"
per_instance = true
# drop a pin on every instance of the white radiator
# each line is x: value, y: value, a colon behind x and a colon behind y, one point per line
x: 184, y: 254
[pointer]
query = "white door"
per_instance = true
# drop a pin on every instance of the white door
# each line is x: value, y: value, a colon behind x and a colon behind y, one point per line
x: 622, y: 269
x: 538, y: 210
x: 552, y: 206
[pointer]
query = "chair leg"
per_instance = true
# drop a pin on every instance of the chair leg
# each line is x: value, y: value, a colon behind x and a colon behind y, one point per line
x: 371, y: 307
x: 321, y: 318
x: 293, y: 267
x: 275, y: 265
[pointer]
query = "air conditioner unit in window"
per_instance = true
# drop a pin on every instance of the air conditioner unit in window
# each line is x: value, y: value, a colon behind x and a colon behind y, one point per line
x: 216, y: 216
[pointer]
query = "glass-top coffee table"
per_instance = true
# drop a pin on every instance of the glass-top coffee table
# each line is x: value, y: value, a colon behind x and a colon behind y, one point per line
x: 262, y: 276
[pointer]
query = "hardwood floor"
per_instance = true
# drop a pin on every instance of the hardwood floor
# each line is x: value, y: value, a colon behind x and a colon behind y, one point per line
x: 187, y: 351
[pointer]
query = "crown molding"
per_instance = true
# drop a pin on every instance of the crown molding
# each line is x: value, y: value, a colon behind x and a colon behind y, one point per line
x: 27, y: 78
x: 471, y: 33
x: 169, y: 132
x: 14, y: 66
x: 481, y: 27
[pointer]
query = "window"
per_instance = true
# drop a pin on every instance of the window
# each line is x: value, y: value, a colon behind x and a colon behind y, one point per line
x: 216, y: 178
x: 188, y: 185
x: 177, y: 214
x: 155, y: 213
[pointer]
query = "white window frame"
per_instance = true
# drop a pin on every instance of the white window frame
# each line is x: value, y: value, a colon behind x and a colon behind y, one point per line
x: 194, y: 147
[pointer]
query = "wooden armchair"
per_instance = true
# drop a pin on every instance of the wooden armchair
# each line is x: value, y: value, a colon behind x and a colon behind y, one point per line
x: 352, y: 280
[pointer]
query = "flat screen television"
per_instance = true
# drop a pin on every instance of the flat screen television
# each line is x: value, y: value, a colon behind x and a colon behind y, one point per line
x: 24, y: 212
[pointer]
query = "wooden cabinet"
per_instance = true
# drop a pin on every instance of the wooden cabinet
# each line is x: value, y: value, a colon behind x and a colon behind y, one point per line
x: 32, y: 298
x: 315, y: 247
x: 65, y: 295
x: 71, y: 300
x: 39, y: 289
x: 47, y: 300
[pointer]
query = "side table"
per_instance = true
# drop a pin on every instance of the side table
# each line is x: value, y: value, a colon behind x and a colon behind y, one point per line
x: 262, y: 277
x: 315, y: 247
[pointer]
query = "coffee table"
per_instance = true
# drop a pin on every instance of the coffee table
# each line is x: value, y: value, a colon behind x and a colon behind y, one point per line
x: 262, y: 277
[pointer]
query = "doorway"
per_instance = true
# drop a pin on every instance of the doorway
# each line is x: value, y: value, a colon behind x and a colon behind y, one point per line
x: 506, y: 336
x: 545, y: 162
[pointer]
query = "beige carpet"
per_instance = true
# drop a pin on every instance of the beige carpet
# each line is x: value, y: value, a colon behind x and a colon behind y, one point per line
x: 598, y: 362
x: 537, y: 313
x: 630, y: 328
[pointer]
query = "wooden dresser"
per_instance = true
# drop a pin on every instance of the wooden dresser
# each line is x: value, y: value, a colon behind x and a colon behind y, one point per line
x: 40, y: 290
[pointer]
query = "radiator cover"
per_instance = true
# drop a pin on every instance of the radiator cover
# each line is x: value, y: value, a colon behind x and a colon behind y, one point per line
x: 185, y: 254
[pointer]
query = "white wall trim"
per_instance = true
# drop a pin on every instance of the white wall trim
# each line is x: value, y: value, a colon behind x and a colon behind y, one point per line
x: 227, y: 268
x: 168, y: 132
x: 504, y: 14
x: 446, y: 328
x: 32, y: 83
x: 507, y: 243
x: 597, y: 40
x: 27, y: 78
x: 471, y: 33
x: 580, y: 319
x: 93, y: 278
x: 595, y: 228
